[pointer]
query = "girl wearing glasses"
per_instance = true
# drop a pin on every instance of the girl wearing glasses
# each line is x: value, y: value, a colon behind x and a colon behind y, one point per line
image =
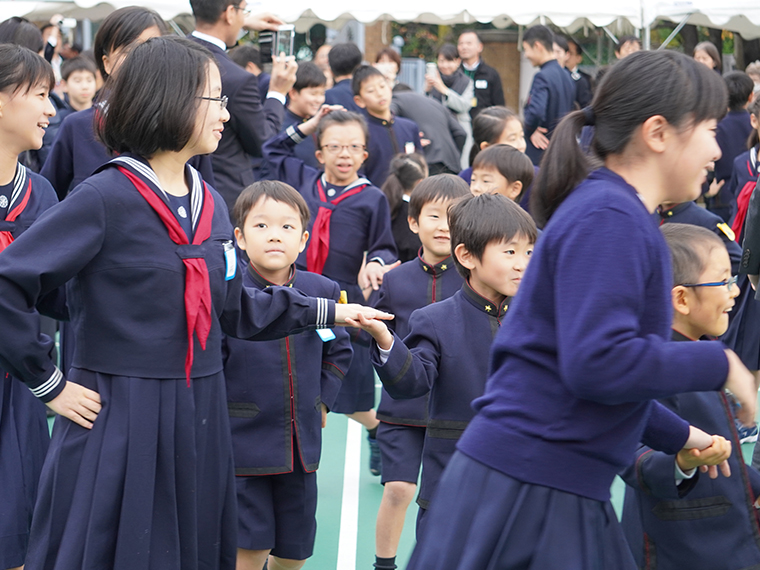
x: 139, y: 474
x: 585, y: 348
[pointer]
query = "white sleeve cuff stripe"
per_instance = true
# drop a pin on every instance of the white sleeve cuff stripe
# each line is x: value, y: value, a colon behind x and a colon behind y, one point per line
x: 293, y: 134
x: 44, y: 389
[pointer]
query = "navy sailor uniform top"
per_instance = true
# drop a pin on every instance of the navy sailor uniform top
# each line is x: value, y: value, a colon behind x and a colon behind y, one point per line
x: 126, y: 279
x: 275, y: 388
x: 408, y: 287
x: 445, y: 354
x: 41, y: 198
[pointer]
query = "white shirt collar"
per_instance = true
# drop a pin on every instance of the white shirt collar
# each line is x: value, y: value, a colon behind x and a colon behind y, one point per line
x: 210, y: 39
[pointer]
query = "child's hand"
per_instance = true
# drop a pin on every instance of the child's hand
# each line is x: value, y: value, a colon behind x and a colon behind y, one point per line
x: 310, y: 127
x: 324, y: 415
x: 707, y: 459
x: 77, y: 403
x: 372, y: 274
x: 377, y: 329
x: 539, y: 139
x: 741, y: 384
x: 344, y: 312
x: 715, y: 187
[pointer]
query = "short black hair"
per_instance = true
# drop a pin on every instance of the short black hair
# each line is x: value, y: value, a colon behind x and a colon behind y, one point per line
x: 572, y: 41
x: 509, y: 162
x: 79, y: 63
x: 690, y: 247
x: 488, y: 126
x: 561, y: 41
x: 245, y: 54
x: 274, y: 190
x: 21, y: 32
x: 344, y: 59
x: 740, y: 87
x: 471, y: 31
x: 438, y: 188
x: 152, y: 101
x: 476, y: 221
x: 362, y: 73
x: 539, y: 34
x: 120, y: 29
x: 391, y: 54
x: 21, y: 68
x: 626, y: 39
x: 309, y: 75
x: 404, y: 173
x: 449, y: 52
x: 341, y: 118
x: 209, y: 11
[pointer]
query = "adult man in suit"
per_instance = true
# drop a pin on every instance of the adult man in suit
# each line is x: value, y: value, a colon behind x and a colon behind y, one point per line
x: 253, y: 119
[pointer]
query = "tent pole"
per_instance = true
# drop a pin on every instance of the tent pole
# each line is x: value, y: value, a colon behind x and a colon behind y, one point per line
x: 674, y: 33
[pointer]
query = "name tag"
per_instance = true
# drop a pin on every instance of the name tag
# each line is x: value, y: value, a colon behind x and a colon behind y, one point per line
x: 230, y: 261
x: 481, y: 84
x: 409, y: 147
x: 326, y: 335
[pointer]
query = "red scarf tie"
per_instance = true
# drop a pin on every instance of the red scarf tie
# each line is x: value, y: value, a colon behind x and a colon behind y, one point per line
x: 6, y: 237
x: 319, y: 243
x: 197, y: 288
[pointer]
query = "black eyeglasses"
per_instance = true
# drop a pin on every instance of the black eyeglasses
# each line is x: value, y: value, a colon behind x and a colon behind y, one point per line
x: 221, y: 100
x: 336, y: 148
x: 727, y: 283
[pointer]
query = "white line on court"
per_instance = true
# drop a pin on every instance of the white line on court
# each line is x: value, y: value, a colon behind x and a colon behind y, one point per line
x: 349, y: 509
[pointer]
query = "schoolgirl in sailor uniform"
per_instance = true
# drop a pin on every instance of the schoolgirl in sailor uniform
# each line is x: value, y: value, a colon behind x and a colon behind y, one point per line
x: 139, y: 474
x: 25, y: 82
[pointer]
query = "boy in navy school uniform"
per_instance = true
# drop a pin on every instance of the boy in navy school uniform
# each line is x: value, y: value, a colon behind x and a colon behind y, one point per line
x: 276, y: 476
x: 674, y: 517
x: 388, y: 135
x: 349, y: 216
x: 446, y: 350
x: 552, y: 93
x: 503, y: 169
x: 428, y: 279
x: 344, y: 59
x: 304, y: 100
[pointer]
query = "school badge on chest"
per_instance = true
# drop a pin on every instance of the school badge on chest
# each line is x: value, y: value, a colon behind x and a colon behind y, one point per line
x: 182, y: 212
x: 3, y: 202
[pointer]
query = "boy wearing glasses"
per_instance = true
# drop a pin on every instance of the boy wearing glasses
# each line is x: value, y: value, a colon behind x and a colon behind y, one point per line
x: 350, y: 216
x: 676, y: 516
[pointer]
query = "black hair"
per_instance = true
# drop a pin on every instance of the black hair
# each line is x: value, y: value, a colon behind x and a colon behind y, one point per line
x: 245, y: 54
x: 710, y: 49
x: 209, y: 11
x: 448, y: 52
x: 624, y: 40
x: 21, y: 68
x: 476, y: 221
x: 153, y: 100
x: 274, y: 190
x: 21, y: 32
x: 361, y: 74
x: 488, y: 126
x: 309, y: 75
x: 561, y: 41
x: 740, y: 87
x: 438, y: 188
x: 78, y: 63
x: 471, y: 31
x: 678, y: 88
x: 404, y: 172
x: 120, y: 29
x: 754, y: 109
x: 391, y: 54
x: 344, y: 59
x: 572, y: 41
x: 539, y: 34
x: 509, y: 162
x: 690, y: 247
x: 341, y: 118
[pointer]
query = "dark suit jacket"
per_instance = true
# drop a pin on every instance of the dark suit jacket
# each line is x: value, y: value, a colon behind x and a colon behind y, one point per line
x: 250, y: 125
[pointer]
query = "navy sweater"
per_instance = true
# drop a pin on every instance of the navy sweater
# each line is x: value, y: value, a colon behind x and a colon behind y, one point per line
x: 587, y: 350
x: 359, y: 223
x: 703, y: 522
x: 445, y: 354
x: 275, y: 388
x: 386, y: 140
x: 408, y: 287
x: 125, y: 292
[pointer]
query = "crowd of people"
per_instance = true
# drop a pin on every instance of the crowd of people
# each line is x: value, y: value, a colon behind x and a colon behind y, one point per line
x: 228, y: 256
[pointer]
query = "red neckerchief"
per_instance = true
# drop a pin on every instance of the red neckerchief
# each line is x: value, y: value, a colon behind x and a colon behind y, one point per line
x: 319, y: 244
x: 197, y: 288
x: 6, y: 237
x: 742, y: 200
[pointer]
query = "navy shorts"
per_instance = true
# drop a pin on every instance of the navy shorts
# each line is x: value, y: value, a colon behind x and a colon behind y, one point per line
x: 278, y: 512
x: 401, y: 450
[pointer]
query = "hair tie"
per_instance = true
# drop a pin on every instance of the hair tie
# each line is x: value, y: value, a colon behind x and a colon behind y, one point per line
x: 588, y: 114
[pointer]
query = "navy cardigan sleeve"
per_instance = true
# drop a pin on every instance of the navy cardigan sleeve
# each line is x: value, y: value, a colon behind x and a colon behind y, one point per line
x: 279, y: 152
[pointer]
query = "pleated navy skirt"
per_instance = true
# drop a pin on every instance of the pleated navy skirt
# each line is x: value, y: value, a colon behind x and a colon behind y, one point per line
x: 743, y: 335
x: 481, y: 519
x: 150, y: 487
x: 24, y: 441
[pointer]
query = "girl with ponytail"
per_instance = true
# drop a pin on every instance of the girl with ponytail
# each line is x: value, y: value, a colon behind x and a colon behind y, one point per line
x: 405, y: 172
x: 584, y: 352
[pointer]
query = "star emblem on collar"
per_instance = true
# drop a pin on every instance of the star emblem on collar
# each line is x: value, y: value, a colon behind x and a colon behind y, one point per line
x: 424, y: 267
x: 489, y: 308
x: 444, y: 267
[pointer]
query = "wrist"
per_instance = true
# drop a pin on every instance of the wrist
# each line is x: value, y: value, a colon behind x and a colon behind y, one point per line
x: 384, y: 340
